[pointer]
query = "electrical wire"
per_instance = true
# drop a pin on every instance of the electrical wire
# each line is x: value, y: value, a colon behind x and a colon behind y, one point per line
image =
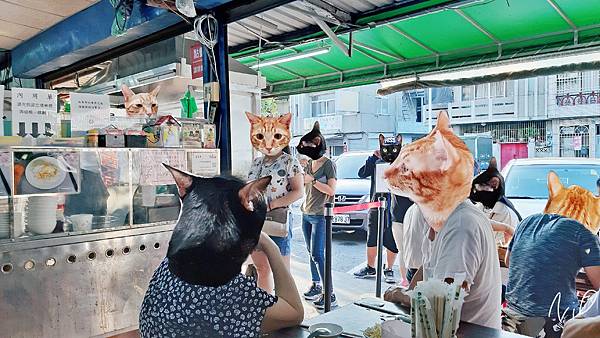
x: 203, y: 26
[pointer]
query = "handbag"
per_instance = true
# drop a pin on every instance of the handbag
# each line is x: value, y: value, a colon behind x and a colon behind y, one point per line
x: 276, y: 223
x: 276, y: 220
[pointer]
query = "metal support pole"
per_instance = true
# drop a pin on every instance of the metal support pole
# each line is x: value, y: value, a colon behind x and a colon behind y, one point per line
x: 328, y: 285
x: 380, y: 229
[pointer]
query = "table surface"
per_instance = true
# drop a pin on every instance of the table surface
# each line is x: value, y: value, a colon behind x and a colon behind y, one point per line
x: 357, y: 317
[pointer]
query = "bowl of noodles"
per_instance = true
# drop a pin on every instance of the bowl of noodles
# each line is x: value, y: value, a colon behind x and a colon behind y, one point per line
x: 45, y: 173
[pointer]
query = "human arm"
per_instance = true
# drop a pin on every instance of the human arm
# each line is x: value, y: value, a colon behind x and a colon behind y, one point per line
x: 327, y: 189
x: 288, y: 311
x: 589, y: 256
x: 506, y: 229
x: 398, y: 295
x: 507, y: 258
x: 296, y: 193
x: 593, y: 274
x: 368, y: 169
x: 581, y: 328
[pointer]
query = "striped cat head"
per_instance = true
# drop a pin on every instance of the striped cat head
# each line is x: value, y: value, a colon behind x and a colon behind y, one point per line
x: 142, y: 104
x: 573, y: 202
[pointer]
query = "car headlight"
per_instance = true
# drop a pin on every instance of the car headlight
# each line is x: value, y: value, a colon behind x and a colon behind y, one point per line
x: 364, y: 199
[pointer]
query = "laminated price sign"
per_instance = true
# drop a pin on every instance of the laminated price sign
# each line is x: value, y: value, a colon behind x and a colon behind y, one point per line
x: 152, y: 172
x: 205, y: 163
x: 89, y: 111
x: 34, y: 111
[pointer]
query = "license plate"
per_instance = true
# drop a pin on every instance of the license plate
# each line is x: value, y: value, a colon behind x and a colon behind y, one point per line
x: 341, y: 219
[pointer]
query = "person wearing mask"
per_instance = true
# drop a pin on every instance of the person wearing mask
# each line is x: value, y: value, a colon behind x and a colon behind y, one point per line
x: 319, y: 188
x: 271, y: 136
x: 544, y: 257
x: 388, y: 151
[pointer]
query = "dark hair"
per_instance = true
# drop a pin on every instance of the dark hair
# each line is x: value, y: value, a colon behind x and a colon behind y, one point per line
x: 216, y: 230
x: 598, y: 183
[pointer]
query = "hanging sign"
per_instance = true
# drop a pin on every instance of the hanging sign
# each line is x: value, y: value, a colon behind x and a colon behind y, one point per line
x: 577, y: 142
x: 89, y: 111
x: 205, y: 163
x: 196, y: 60
x: 34, y: 111
x: 152, y: 172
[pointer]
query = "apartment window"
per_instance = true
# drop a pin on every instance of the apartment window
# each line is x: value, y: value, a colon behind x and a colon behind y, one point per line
x: 323, y: 105
x: 382, y: 105
x: 569, y: 83
x: 499, y: 89
x: 481, y: 91
x: 468, y: 93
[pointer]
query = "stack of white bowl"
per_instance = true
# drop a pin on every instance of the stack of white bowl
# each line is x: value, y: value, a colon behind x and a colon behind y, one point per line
x: 4, y: 223
x: 40, y: 214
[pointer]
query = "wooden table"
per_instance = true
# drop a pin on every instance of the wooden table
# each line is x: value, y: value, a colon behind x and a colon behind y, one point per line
x: 355, y: 318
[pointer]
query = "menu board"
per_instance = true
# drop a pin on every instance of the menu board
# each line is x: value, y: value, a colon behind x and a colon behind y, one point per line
x: 204, y: 163
x: 152, y: 172
x: 89, y: 111
x: 34, y: 111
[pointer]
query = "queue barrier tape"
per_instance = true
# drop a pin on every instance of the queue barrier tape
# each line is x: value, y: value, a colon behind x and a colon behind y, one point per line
x: 356, y: 207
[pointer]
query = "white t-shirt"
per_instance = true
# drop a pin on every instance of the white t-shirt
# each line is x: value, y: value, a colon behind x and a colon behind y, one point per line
x: 415, y: 230
x: 465, y: 245
x: 592, y: 307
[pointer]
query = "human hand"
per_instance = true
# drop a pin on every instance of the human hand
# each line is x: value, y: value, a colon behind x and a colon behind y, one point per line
x: 308, y: 179
x: 509, y: 231
x: 581, y: 328
x: 377, y: 153
x: 396, y: 294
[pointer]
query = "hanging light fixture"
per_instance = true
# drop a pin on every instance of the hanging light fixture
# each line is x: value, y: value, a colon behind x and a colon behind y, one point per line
x: 292, y: 57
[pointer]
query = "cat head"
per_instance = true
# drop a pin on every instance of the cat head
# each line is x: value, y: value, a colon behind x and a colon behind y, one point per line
x: 142, y: 104
x: 270, y: 135
x: 218, y: 227
x: 313, y: 144
x: 573, y: 202
x: 390, y: 147
x: 488, y: 187
x: 435, y: 172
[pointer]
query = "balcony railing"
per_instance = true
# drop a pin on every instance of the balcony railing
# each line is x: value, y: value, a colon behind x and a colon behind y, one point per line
x: 581, y: 98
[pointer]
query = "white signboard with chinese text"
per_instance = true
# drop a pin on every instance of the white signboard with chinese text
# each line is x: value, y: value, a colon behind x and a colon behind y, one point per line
x: 89, y: 111
x: 152, y: 172
x: 328, y: 124
x: 205, y: 163
x: 577, y: 142
x: 381, y: 185
x: 34, y: 111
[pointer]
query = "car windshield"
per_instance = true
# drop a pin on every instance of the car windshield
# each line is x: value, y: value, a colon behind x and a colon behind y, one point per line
x: 347, y: 165
x: 531, y: 181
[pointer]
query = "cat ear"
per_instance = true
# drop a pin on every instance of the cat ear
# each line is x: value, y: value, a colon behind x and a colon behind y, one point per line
x: 443, y: 151
x: 252, y: 118
x: 554, y: 183
x: 443, y: 121
x: 127, y: 93
x: 317, y: 126
x: 381, y: 139
x: 493, y: 163
x: 155, y: 91
x: 182, y: 179
x: 286, y: 119
x: 253, y: 190
x: 399, y: 139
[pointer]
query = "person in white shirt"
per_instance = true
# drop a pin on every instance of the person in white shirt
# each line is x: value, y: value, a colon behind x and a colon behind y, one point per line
x: 587, y: 322
x: 411, y: 242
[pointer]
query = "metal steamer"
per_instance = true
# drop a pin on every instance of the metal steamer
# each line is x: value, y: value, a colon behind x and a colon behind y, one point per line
x: 89, y: 283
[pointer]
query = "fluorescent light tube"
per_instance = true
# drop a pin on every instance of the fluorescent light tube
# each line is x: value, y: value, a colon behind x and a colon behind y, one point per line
x: 292, y: 57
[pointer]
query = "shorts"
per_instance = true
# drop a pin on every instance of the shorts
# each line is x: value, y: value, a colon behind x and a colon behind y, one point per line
x: 388, y: 236
x: 285, y: 243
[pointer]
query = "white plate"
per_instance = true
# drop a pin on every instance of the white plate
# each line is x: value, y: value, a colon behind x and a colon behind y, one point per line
x: 45, y: 162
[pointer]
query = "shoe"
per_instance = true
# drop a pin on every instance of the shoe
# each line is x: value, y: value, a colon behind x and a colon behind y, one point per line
x: 314, y: 292
x: 366, y: 272
x: 320, y: 303
x: 388, y: 276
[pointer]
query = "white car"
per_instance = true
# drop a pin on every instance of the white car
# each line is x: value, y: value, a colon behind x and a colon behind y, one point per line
x: 526, y: 180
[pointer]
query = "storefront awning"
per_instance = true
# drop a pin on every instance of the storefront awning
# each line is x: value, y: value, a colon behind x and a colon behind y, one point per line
x: 466, y: 33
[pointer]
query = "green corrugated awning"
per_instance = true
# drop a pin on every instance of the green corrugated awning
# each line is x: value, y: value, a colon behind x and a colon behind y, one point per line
x: 475, y: 33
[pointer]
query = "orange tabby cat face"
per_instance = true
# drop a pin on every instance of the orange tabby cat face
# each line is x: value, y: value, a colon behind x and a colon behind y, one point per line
x: 142, y: 104
x: 435, y: 172
x: 270, y: 135
x: 573, y: 202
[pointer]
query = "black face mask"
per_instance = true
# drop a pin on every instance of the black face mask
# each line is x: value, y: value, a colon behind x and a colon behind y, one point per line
x: 487, y: 198
x: 313, y: 152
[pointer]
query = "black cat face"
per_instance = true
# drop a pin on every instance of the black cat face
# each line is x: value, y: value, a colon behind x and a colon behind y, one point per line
x: 313, y: 143
x: 219, y: 226
x: 389, y: 148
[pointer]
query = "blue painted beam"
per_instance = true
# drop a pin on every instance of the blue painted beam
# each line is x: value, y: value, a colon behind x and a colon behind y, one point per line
x: 83, y: 35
